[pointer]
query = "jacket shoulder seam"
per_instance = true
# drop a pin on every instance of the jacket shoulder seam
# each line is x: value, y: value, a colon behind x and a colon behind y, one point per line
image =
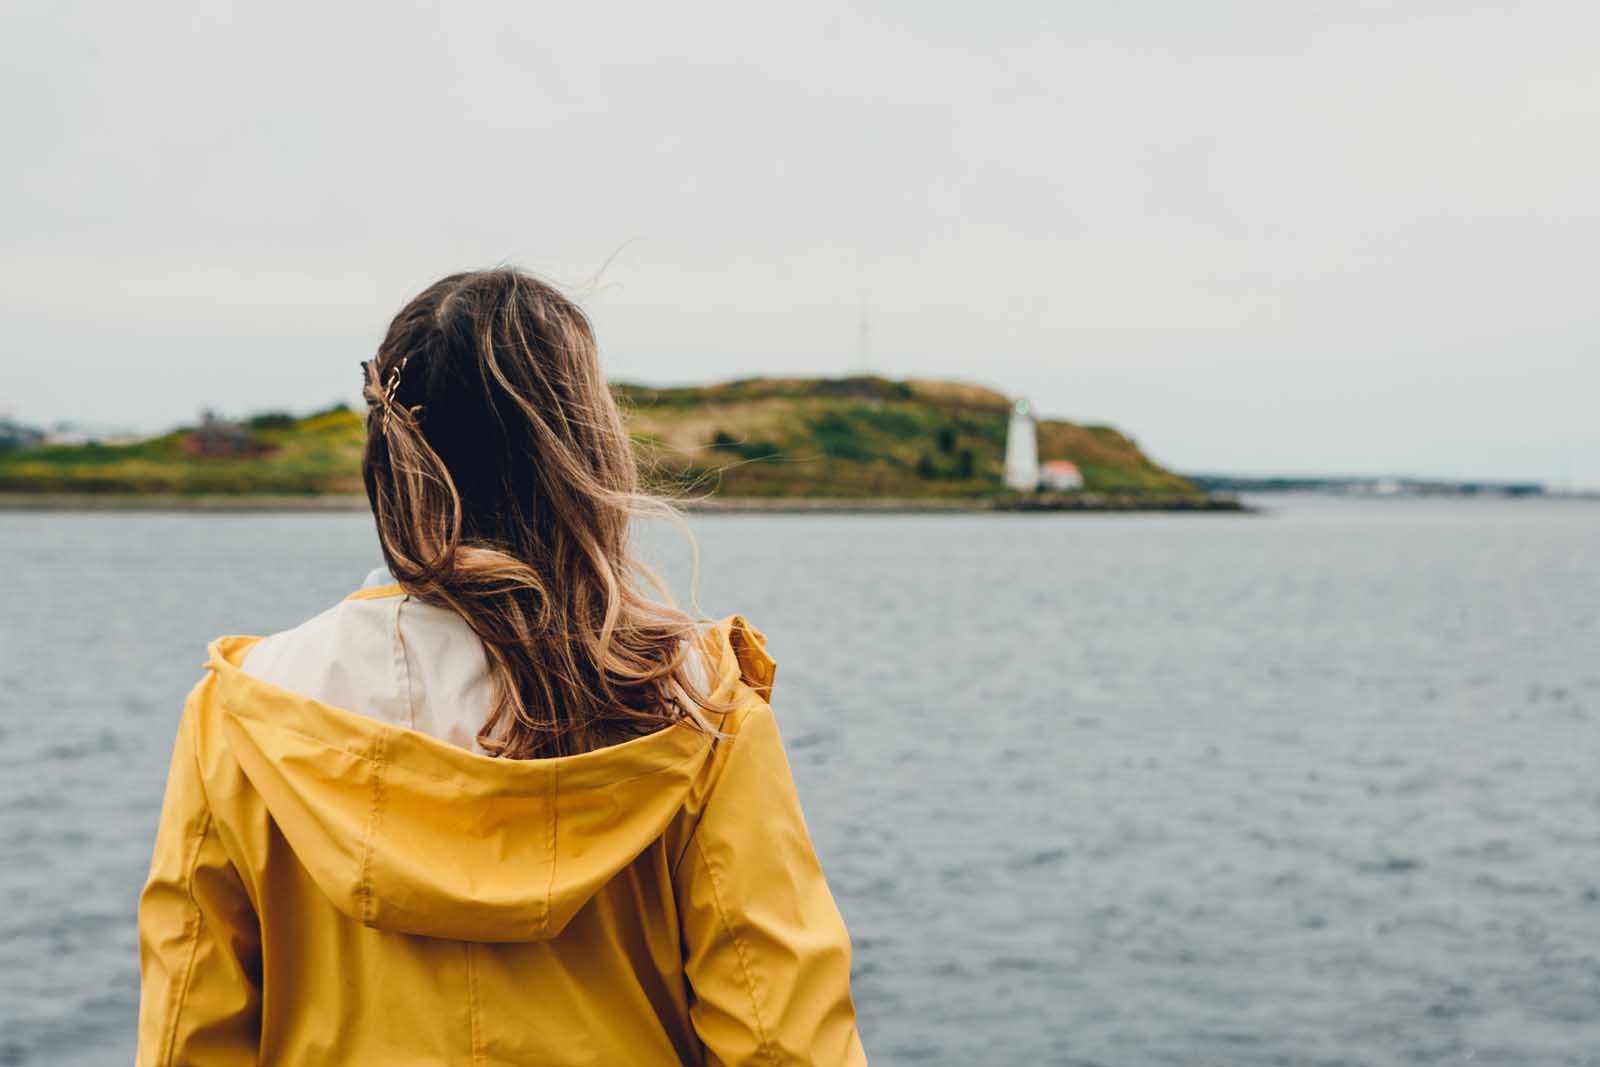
x: 472, y: 1004
x: 374, y: 815
x: 764, y: 1045
x: 553, y: 803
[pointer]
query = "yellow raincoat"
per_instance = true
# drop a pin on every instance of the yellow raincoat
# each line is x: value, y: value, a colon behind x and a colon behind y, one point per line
x: 332, y: 889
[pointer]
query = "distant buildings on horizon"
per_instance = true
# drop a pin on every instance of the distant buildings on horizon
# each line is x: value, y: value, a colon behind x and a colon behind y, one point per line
x: 1375, y: 487
x: 15, y: 434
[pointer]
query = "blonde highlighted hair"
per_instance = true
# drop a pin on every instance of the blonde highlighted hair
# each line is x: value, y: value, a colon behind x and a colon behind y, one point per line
x: 505, y: 487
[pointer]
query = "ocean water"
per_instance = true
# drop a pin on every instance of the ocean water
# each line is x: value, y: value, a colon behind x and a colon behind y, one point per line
x: 1315, y: 787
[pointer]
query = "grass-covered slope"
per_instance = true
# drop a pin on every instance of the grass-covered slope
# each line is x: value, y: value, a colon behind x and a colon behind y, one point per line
x: 319, y: 453
x: 862, y: 437
x: 761, y: 437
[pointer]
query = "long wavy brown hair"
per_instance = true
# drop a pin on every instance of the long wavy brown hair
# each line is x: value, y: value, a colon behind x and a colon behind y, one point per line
x: 505, y: 487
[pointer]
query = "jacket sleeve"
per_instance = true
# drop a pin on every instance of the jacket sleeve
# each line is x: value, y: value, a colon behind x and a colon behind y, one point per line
x: 766, y: 951
x: 199, y: 942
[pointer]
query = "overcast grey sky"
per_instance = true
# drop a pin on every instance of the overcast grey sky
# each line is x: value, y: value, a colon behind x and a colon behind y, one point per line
x: 1333, y: 237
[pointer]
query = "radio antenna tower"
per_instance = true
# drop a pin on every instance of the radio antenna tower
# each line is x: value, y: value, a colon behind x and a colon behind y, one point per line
x: 864, y: 337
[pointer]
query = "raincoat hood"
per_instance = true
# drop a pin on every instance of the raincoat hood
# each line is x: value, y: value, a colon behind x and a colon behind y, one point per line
x: 406, y: 833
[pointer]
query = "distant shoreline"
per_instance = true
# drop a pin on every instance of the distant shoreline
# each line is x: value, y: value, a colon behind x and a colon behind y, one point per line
x: 353, y: 502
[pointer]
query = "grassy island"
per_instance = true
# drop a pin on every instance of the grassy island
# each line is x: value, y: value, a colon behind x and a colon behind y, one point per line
x: 765, y: 439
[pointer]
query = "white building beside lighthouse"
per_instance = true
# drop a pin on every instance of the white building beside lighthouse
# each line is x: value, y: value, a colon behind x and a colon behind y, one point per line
x: 1022, y: 450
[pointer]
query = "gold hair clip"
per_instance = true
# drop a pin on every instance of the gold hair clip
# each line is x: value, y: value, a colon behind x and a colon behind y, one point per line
x: 386, y: 395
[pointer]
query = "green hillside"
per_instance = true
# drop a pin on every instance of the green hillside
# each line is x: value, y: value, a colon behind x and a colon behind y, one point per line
x: 862, y: 437
x: 760, y: 437
x: 319, y: 453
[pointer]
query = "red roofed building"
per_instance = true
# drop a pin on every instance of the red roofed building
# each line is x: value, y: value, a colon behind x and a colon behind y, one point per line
x: 1060, y: 475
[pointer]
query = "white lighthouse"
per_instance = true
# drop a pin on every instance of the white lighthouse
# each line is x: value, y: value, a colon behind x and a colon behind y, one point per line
x: 1022, y: 450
